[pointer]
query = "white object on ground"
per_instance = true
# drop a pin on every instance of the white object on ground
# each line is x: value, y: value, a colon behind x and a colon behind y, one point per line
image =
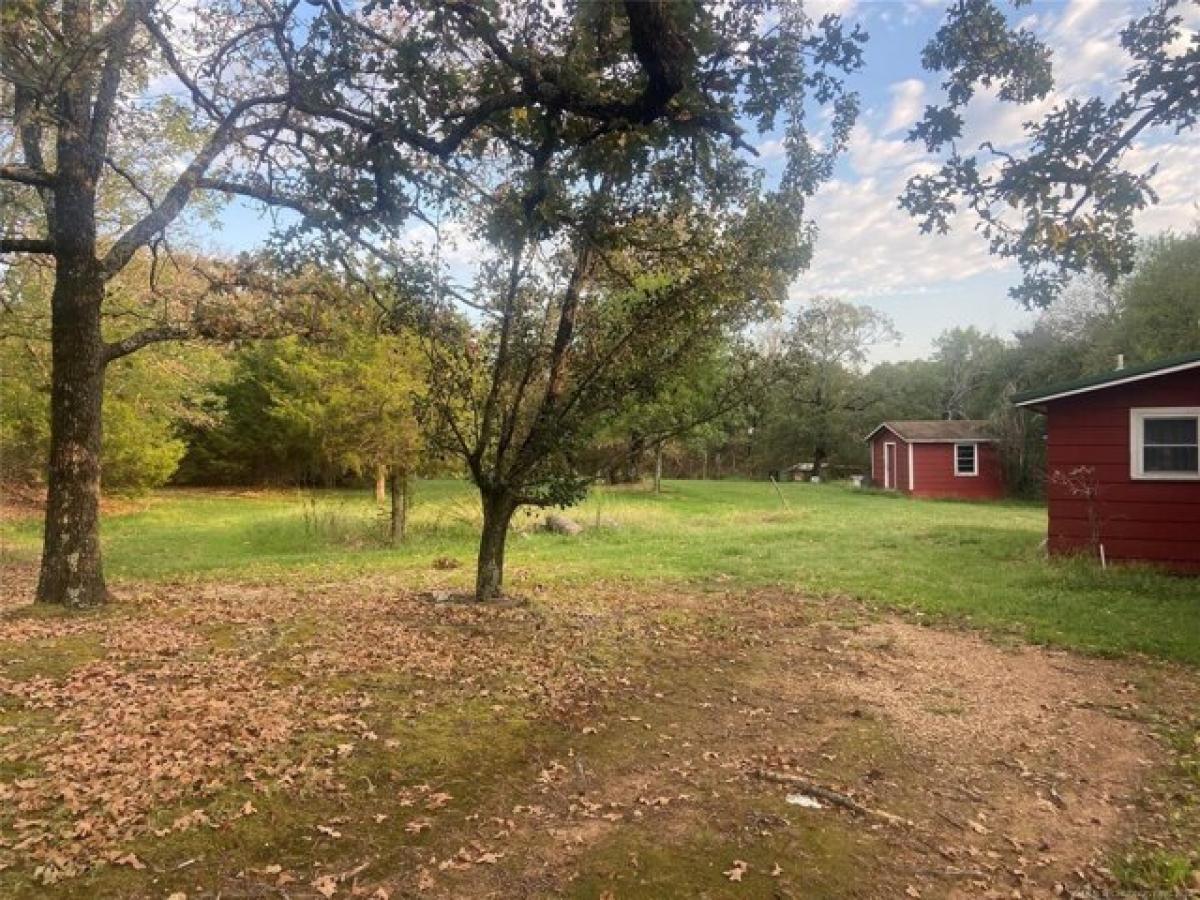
x: 804, y: 800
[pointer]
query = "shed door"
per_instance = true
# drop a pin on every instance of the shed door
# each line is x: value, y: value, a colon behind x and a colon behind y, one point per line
x: 889, y: 465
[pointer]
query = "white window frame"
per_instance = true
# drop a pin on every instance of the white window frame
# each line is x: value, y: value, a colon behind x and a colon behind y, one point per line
x: 974, y: 459
x: 1137, y: 436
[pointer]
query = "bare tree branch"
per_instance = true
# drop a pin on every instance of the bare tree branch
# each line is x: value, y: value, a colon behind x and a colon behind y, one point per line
x: 139, y: 339
x: 177, y: 196
x: 27, y: 175
x: 26, y: 245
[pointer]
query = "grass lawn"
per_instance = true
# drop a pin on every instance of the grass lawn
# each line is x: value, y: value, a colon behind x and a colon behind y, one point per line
x: 979, y: 562
x: 277, y: 705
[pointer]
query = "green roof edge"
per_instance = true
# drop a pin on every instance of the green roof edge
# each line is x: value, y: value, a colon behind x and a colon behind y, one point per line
x: 1096, y: 381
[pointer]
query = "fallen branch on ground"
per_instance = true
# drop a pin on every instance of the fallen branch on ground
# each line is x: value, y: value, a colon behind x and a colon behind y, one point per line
x: 830, y: 796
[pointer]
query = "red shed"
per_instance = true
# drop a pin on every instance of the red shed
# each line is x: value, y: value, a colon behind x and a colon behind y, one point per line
x: 1122, y: 473
x: 937, y: 459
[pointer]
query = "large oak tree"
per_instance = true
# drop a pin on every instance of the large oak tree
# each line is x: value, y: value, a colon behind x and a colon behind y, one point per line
x: 331, y: 114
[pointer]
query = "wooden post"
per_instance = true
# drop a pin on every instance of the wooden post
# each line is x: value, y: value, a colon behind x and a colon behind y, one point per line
x: 398, y: 525
x: 779, y: 491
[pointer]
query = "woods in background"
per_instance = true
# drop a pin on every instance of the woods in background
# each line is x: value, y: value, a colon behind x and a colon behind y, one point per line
x: 346, y: 408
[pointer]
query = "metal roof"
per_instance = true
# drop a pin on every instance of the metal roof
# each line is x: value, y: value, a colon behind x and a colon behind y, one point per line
x: 1109, y: 379
x: 939, y: 430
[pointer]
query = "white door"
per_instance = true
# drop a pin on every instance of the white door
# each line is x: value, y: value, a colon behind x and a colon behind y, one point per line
x: 889, y: 465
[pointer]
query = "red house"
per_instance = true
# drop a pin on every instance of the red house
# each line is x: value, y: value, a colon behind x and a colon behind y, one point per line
x: 1122, y: 474
x: 937, y: 459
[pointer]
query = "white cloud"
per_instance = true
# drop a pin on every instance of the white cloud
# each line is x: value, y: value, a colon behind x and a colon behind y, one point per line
x: 818, y: 8
x: 908, y: 102
x: 868, y: 247
x: 771, y: 149
x: 870, y: 154
x: 1175, y: 182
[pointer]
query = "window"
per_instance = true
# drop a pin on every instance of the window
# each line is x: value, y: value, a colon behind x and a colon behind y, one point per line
x: 1164, y: 443
x: 966, y: 459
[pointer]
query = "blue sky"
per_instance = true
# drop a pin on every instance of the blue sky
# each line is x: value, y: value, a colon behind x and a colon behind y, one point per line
x: 868, y: 249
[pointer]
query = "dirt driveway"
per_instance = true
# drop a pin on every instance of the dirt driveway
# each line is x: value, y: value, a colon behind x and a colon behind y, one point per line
x: 359, y: 740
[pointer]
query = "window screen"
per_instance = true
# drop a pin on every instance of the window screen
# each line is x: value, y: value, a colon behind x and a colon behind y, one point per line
x: 1170, y: 445
x: 964, y: 459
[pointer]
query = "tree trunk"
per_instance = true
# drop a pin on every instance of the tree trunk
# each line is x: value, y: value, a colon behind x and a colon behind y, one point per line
x: 819, y: 457
x: 704, y: 466
x: 658, y: 460
x: 399, y: 492
x: 381, y: 485
x: 498, y: 511
x: 628, y: 467
x: 71, y: 572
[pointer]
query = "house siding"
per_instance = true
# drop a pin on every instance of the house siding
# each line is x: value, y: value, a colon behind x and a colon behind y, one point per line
x: 886, y: 435
x: 933, y: 466
x: 1158, y: 521
x: 933, y: 469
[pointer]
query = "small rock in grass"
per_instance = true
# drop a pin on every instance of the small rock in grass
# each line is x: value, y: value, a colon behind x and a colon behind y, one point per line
x: 556, y: 523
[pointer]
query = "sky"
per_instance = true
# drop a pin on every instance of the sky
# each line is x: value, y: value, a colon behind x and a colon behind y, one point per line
x: 870, y: 251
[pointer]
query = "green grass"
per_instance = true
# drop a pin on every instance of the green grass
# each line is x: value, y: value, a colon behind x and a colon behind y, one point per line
x: 979, y: 562
x: 1159, y: 873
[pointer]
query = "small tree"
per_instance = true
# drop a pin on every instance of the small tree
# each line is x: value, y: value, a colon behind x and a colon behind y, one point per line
x: 622, y: 223
x: 354, y: 399
x: 1081, y: 483
x: 575, y: 347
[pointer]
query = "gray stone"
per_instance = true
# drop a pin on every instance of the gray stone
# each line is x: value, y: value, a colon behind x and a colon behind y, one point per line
x: 557, y: 523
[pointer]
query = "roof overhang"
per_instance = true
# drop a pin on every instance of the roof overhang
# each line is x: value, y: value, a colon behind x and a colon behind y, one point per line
x: 880, y: 427
x: 1074, y: 388
x: 942, y: 440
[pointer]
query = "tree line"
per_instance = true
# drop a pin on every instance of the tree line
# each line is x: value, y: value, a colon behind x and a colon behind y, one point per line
x: 351, y: 405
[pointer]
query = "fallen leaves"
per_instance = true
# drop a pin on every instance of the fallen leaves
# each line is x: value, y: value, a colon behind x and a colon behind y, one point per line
x: 128, y: 740
x: 416, y: 826
x: 437, y: 800
x: 170, y: 732
x: 165, y: 717
x: 326, y: 885
x: 475, y: 855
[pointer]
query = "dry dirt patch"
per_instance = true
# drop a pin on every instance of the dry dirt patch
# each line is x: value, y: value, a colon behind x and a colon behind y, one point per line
x: 1037, y: 758
x: 589, y: 742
